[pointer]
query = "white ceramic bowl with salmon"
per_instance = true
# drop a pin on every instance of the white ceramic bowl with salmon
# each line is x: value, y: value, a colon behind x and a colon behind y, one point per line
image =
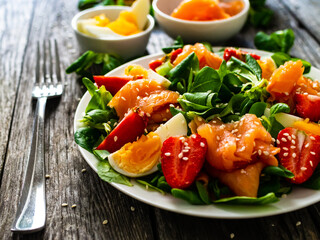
x: 215, y: 31
x: 126, y: 47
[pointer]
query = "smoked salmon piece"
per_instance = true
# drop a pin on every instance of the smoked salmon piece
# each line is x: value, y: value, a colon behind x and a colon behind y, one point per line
x: 242, y: 182
x: 146, y: 94
x: 235, y: 145
x: 206, y: 58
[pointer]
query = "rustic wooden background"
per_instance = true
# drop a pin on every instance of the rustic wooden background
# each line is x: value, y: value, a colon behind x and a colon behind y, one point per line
x: 22, y: 24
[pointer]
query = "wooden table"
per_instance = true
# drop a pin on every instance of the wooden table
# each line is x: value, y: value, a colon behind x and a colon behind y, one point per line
x: 22, y: 24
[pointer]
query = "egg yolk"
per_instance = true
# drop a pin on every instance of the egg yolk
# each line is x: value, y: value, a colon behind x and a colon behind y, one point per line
x: 140, y: 156
x: 126, y: 24
x: 101, y: 20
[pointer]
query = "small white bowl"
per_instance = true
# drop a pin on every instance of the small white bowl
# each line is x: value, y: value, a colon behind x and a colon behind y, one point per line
x: 215, y: 31
x: 126, y: 47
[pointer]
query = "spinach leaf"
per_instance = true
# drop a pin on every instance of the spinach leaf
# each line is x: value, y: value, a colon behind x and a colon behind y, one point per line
x: 280, y: 58
x: 183, y: 68
x: 178, y: 43
x: 207, y: 79
x: 107, y: 174
x: 259, y: 14
x: 188, y: 195
x: 99, y: 97
x: 278, y: 108
x: 99, y: 116
x: 87, y: 137
x: 258, y: 108
x: 81, y: 65
x: 254, y: 66
x: 203, y: 192
x: 267, y: 199
x: 233, y: 105
x: 243, y: 70
x: 279, y: 41
x: 150, y: 186
x: 278, y: 171
x: 162, y: 184
x: 102, y: 155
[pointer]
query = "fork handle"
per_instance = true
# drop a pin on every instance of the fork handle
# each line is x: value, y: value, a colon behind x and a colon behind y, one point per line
x: 31, y: 212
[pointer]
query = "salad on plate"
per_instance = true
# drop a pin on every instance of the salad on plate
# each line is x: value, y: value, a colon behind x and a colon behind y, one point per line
x: 208, y: 127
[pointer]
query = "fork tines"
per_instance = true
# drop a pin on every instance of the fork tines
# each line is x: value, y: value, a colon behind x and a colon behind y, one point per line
x: 48, y: 66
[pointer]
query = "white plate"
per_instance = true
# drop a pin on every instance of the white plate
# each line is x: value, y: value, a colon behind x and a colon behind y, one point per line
x: 299, y: 198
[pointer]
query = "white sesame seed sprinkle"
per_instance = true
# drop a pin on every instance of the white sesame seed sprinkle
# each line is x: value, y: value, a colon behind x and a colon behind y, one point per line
x: 218, y: 138
x: 148, y: 114
x: 64, y: 204
x: 312, y: 138
x: 185, y: 150
x: 303, y: 168
x: 243, y: 171
x: 294, y: 155
x: 105, y: 222
x: 307, y: 145
x: 266, y: 153
x: 202, y: 144
x: 285, y: 148
x: 167, y: 154
x: 311, y: 163
x: 83, y: 170
x: 185, y: 158
x: 194, y: 136
x: 115, y: 138
x: 289, y: 138
x: 278, y: 142
x: 313, y: 153
x: 74, y: 206
x: 298, y: 223
x: 283, y: 140
x: 132, y: 208
x: 259, y: 152
x: 231, y: 235
x: 293, y: 141
x: 285, y: 154
x: 273, y: 140
x: 123, y: 98
x: 292, y: 147
x: 180, y: 155
x: 286, y: 134
x: 48, y: 176
x: 293, y: 136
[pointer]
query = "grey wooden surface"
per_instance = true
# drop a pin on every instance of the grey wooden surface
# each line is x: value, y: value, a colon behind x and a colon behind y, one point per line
x: 22, y: 24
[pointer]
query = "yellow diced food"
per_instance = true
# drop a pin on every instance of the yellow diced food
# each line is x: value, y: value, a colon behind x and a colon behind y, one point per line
x: 125, y: 25
x: 101, y: 20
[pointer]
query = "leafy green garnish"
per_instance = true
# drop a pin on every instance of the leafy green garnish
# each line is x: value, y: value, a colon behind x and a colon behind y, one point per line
x: 86, y: 60
x: 150, y: 186
x: 178, y: 43
x: 188, y: 195
x: 279, y: 41
x: 267, y: 199
x: 278, y: 171
x: 259, y: 14
x: 87, y: 137
x: 107, y: 174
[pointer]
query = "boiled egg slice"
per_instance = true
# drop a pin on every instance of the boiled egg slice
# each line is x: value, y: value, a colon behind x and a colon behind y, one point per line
x: 141, y: 8
x: 140, y: 158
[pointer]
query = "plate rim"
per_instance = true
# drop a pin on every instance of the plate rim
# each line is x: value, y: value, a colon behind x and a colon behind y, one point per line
x: 182, y: 207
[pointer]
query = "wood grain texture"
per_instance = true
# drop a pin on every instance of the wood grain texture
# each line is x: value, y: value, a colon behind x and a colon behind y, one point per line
x: 96, y: 200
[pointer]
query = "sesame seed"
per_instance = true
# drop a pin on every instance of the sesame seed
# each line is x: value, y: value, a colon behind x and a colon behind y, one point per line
x: 115, y: 124
x: 312, y: 153
x: 259, y: 152
x: 286, y: 93
x: 186, y: 147
x: 294, y: 155
x: 285, y: 154
x: 64, y: 204
x: 74, y: 206
x: 285, y: 148
x: 303, y: 168
x: 283, y: 140
x: 231, y: 235
x: 293, y: 147
x: 312, y: 138
x: 146, y: 130
x: 278, y: 142
x: 83, y: 170
x: 293, y: 141
x: 123, y: 98
x: 202, y: 144
x: 167, y: 154
x: 305, y: 93
x: 182, y: 139
x: 243, y: 171
x: 105, y: 222
x: 311, y: 163
x: 254, y: 152
x: 185, y: 150
x: 289, y: 138
x: 185, y: 158
x: 218, y: 138
x: 298, y: 223
x: 186, y: 144
x: 242, y: 149
x: 180, y: 155
x: 273, y: 140
x: 171, y: 105
x: 132, y: 208
x: 148, y: 114
x: 293, y: 136
x: 307, y: 145
x: 286, y: 134
x: 137, y: 89
x: 266, y: 153
x: 194, y: 136
x: 48, y: 176
x: 115, y: 138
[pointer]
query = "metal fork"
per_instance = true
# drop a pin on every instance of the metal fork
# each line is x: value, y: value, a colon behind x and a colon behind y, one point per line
x: 31, y: 212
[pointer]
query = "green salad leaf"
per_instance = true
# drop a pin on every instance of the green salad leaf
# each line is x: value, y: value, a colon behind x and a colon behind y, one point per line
x: 106, y: 173
x: 267, y: 199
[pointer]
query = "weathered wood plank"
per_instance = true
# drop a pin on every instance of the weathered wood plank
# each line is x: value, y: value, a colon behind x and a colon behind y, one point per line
x: 307, y: 14
x: 95, y: 200
x: 13, y: 41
